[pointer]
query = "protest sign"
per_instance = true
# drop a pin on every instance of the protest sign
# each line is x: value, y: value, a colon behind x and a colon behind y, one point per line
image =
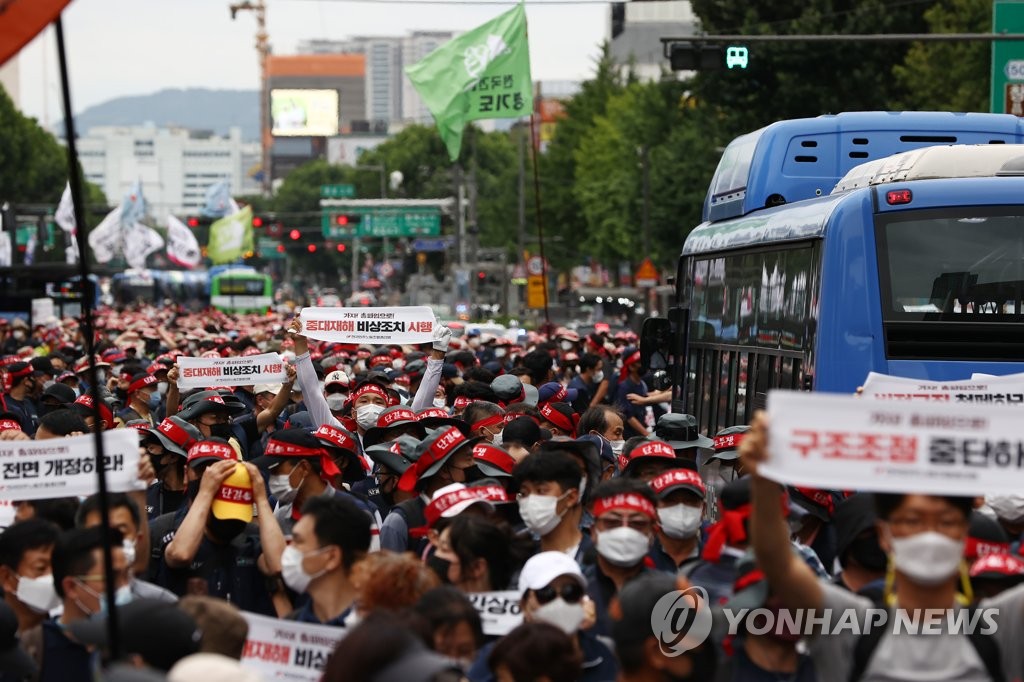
x: 499, y: 611
x: 983, y: 389
x: 401, y: 325
x: 288, y: 649
x: 846, y: 443
x: 267, y: 368
x: 66, y: 467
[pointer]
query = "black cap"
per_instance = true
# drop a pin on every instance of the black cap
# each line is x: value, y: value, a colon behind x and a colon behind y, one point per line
x: 62, y: 393
x: 681, y: 432
x: 300, y: 437
x: 521, y: 430
x: 43, y: 365
x: 853, y: 516
x: 158, y: 631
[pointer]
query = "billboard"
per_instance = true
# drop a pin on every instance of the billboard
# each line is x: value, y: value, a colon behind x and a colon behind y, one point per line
x: 304, y: 113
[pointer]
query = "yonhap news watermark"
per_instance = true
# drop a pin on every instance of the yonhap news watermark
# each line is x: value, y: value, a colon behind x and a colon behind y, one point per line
x: 683, y: 619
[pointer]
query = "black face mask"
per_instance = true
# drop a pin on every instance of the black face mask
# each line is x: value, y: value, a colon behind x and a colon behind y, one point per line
x: 473, y: 473
x: 224, y: 531
x: 192, y: 489
x: 220, y: 431
x: 866, y: 552
x: 440, y: 567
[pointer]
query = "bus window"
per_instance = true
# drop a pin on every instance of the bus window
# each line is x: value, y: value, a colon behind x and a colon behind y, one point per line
x: 969, y: 266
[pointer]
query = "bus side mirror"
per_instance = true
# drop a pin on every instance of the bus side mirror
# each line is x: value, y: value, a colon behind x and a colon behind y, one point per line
x: 655, y: 343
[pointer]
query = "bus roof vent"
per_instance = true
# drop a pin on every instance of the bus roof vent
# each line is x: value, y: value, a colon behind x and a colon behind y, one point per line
x: 930, y: 163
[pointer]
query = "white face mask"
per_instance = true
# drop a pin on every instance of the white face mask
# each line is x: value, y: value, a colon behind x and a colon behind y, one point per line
x: 366, y: 415
x: 623, y: 546
x: 499, y: 352
x: 161, y: 388
x: 598, y: 377
x: 679, y: 521
x: 617, y: 446
x: 560, y: 613
x: 129, y: 551
x: 929, y: 558
x: 540, y: 512
x: 440, y: 402
x: 47, y: 384
x: 336, y: 402
x: 38, y: 594
x: 293, y: 573
x: 282, y: 489
x: 398, y: 363
x: 496, y: 441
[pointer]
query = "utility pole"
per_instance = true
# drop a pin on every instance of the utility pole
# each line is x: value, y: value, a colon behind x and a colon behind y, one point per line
x: 646, y: 221
x: 259, y: 7
x: 521, y: 237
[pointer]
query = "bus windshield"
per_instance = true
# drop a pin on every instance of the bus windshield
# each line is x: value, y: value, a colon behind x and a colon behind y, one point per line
x: 955, y: 266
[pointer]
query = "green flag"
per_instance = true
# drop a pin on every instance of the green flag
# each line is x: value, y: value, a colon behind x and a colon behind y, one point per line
x: 231, y: 237
x: 484, y: 73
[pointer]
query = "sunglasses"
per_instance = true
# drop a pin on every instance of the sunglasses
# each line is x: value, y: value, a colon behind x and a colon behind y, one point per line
x: 570, y: 592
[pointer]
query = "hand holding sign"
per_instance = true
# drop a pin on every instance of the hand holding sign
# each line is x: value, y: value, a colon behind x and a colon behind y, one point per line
x: 397, y: 325
x: 754, y: 446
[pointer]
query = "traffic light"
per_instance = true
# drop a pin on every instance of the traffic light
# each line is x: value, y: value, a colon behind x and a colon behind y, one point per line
x: 341, y: 248
x: 311, y: 248
x: 258, y: 221
x: 481, y: 275
x: 698, y: 56
x: 295, y: 235
x: 192, y: 222
x: 347, y: 219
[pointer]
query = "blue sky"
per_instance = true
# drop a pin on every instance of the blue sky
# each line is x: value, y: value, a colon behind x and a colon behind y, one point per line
x: 131, y: 47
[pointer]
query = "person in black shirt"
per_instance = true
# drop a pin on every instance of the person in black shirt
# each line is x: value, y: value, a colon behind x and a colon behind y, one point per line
x: 18, y: 400
x: 167, y: 446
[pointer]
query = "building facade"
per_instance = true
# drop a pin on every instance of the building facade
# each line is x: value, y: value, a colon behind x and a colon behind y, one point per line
x: 636, y: 29
x: 175, y: 166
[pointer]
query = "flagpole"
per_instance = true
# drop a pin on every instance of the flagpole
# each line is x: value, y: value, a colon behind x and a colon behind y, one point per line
x: 75, y: 181
x: 540, y: 220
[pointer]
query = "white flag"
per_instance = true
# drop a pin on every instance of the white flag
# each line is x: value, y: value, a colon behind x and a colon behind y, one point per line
x: 140, y: 241
x: 65, y: 213
x: 182, y: 246
x: 105, y: 238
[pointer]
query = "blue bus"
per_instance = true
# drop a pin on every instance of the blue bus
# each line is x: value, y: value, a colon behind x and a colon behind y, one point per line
x: 800, y: 278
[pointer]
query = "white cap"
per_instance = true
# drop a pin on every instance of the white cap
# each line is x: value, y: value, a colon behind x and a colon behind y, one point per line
x: 544, y: 567
x: 211, y: 667
x: 461, y: 505
x: 337, y: 377
x: 1009, y: 508
x: 266, y: 388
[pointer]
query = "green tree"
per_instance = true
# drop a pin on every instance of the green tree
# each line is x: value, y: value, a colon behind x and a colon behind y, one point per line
x: 949, y: 76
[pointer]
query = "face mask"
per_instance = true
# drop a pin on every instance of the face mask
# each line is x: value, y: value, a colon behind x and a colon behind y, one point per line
x: 336, y: 402
x: 366, y: 415
x: 225, y: 530
x: 294, y: 574
x: 928, y: 558
x: 497, y: 440
x: 128, y: 546
x: 398, y: 364
x: 617, y: 446
x: 866, y: 552
x: 540, y: 512
x: 154, y: 400
x: 679, y: 521
x: 19, y: 335
x: 38, y: 594
x: 598, y: 377
x: 282, y: 489
x: 474, y: 342
x: 192, y: 489
x: 560, y: 613
x: 161, y: 388
x: 440, y: 567
x: 47, y: 384
x: 220, y: 431
x: 101, y: 375
x: 122, y: 597
x: 440, y: 402
x: 623, y: 546
x: 499, y: 352
x: 566, y: 345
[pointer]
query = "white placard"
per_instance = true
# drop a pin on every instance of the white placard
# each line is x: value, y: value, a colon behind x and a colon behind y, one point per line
x: 66, y: 467
x: 839, y: 442
x: 499, y: 611
x: 42, y: 310
x: 287, y: 649
x: 266, y: 368
x: 401, y: 325
x: 982, y: 389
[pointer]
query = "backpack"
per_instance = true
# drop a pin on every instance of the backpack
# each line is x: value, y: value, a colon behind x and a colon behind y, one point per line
x: 985, y: 645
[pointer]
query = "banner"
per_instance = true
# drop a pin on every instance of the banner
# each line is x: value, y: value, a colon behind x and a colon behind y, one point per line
x: 266, y: 368
x: 140, y: 241
x: 840, y: 442
x: 182, y: 247
x: 66, y: 467
x: 65, y: 217
x: 231, y: 237
x: 1005, y: 390
x: 499, y: 611
x: 483, y: 73
x: 401, y: 325
x: 287, y: 649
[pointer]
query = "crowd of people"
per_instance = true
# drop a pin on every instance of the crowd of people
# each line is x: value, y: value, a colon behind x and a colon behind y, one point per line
x: 396, y: 493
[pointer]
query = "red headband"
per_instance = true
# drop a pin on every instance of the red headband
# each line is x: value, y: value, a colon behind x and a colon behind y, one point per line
x: 1002, y: 564
x: 730, y: 442
x: 558, y: 397
x: 207, y: 449
x: 819, y: 497
x: 175, y: 433
x: 489, y: 493
x: 386, y: 419
x: 677, y: 477
x: 462, y: 402
x: 23, y: 372
x: 564, y: 422
x: 9, y: 425
x: 493, y: 420
x: 654, y: 448
x: 105, y: 414
x: 336, y: 437
x: 276, y: 448
x: 728, y: 531
x: 745, y: 581
x: 443, y: 445
x: 629, y: 501
x: 976, y: 549
x: 369, y: 388
x: 434, y: 413
x: 494, y: 456
x: 141, y: 383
